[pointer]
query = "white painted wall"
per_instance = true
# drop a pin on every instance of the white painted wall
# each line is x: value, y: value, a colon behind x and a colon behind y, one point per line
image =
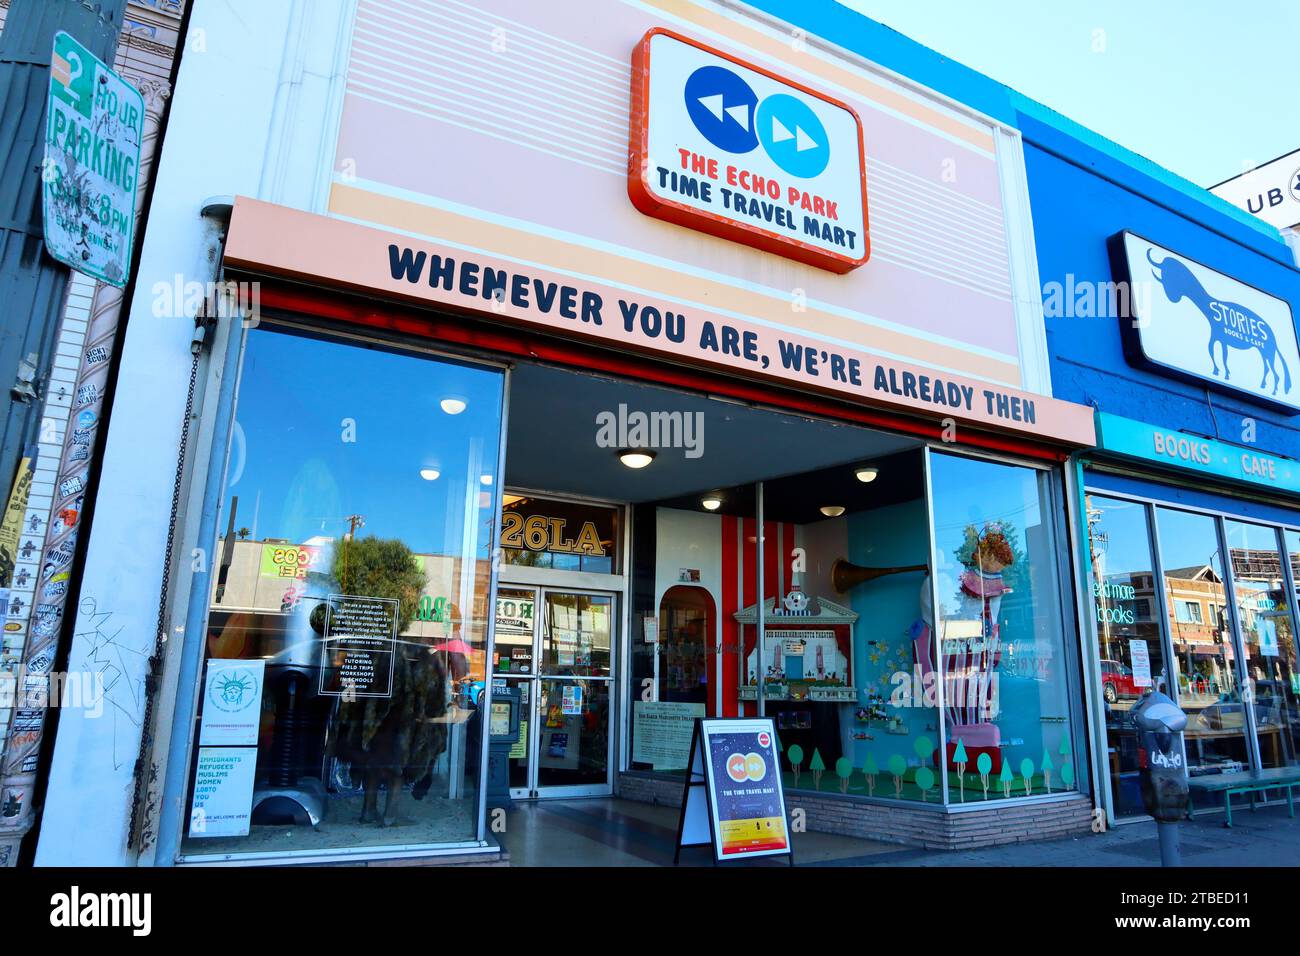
x: 824, y: 542
x: 254, y: 113
x: 688, y: 539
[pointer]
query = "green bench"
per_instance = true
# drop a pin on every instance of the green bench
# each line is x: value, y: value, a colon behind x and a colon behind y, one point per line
x: 1251, y: 781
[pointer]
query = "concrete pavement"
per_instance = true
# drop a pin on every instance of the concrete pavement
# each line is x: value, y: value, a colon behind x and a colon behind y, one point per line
x: 613, y: 832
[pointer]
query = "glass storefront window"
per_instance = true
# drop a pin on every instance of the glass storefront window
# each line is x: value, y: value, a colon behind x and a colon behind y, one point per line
x: 827, y: 626
x: 1287, y: 665
x: 1204, y: 665
x: 347, y: 625
x: 1264, y: 615
x: 1001, y: 630
x: 847, y: 637
x: 1126, y: 618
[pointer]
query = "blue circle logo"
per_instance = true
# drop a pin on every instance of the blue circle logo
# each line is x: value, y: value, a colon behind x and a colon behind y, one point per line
x: 721, y: 105
x: 793, y: 136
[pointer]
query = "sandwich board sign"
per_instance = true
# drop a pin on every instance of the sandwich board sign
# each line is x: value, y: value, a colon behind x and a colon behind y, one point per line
x: 733, y: 799
x: 94, y: 122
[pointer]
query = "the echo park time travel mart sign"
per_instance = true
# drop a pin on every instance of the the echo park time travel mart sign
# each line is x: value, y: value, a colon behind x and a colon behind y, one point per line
x: 728, y: 148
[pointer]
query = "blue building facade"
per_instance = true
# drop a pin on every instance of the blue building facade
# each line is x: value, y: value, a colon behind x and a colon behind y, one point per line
x: 1191, y: 499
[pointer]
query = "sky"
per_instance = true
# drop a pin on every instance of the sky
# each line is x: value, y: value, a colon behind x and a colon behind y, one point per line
x: 1205, y: 88
x: 327, y: 430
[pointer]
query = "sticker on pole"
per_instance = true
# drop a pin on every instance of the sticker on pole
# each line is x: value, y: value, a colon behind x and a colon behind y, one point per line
x: 94, y: 125
x: 725, y: 147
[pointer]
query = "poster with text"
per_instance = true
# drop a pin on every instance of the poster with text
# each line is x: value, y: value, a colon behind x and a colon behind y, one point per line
x: 661, y: 732
x: 1140, y: 655
x: 359, y: 646
x: 744, y: 779
x: 223, y: 791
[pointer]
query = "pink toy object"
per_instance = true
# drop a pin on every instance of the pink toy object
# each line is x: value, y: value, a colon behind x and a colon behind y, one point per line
x: 970, y: 660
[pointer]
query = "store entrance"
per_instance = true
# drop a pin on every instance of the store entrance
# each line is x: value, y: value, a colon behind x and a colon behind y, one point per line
x: 556, y: 647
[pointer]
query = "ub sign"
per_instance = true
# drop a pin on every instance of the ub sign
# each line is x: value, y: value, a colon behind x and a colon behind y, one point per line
x: 1195, y: 323
x: 725, y: 147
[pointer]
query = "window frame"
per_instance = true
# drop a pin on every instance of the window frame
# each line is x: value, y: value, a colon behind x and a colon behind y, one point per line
x: 230, y: 367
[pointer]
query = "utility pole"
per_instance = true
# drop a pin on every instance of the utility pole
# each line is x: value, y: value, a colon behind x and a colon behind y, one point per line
x: 32, y: 284
x: 354, y: 522
x: 1097, y: 541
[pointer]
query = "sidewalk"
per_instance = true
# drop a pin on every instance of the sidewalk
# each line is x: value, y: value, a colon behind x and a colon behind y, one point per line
x: 612, y: 832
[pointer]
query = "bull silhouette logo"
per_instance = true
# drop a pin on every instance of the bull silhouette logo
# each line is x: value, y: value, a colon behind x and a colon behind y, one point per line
x: 1232, y: 326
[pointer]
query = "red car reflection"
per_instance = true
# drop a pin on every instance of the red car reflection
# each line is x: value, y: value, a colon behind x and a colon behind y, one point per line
x: 1117, y: 682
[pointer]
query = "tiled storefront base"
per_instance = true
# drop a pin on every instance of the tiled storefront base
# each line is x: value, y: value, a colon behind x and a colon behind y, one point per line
x: 1044, y: 819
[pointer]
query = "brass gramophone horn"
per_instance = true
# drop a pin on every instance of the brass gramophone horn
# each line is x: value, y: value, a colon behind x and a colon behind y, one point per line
x: 845, y: 576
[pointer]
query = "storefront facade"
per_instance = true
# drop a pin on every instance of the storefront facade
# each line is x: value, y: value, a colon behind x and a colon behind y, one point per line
x: 623, y: 368
x: 1155, y: 299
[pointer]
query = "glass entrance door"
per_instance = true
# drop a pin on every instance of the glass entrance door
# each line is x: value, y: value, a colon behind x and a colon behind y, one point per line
x: 557, y: 647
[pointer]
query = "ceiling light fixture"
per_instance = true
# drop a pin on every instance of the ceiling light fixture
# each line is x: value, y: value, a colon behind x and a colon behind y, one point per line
x: 866, y: 474
x: 832, y: 511
x: 486, y: 480
x: 636, y: 457
x: 452, y: 405
x: 430, y: 474
x: 711, y: 502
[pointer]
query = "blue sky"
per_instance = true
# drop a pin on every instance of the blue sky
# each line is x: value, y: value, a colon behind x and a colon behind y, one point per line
x: 1205, y: 88
x: 298, y: 474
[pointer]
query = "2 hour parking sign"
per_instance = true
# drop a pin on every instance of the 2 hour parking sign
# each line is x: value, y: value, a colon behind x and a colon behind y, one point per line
x: 94, y: 127
x: 725, y: 147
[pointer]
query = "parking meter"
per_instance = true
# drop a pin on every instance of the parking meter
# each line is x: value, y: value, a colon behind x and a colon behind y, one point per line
x: 1161, y: 774
x: 1163, y: 777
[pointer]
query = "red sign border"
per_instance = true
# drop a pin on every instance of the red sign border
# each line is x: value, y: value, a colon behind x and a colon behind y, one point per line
x: 710, y: 222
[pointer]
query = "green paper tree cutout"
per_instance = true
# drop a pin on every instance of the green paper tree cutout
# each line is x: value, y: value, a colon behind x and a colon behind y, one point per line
x: 898, y: 767
x: 1067, y: 771
x: 869, y: 770
x: 984, y: 763
x: 959, y: 757
x: 817, y: 766
x: 924, y: 748
x: 1047, y: 770
x: 924, y: 780
x: 1006, y: 776
x: 795, y: 753
x: 844, y: 770
x: 1027, y: 771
